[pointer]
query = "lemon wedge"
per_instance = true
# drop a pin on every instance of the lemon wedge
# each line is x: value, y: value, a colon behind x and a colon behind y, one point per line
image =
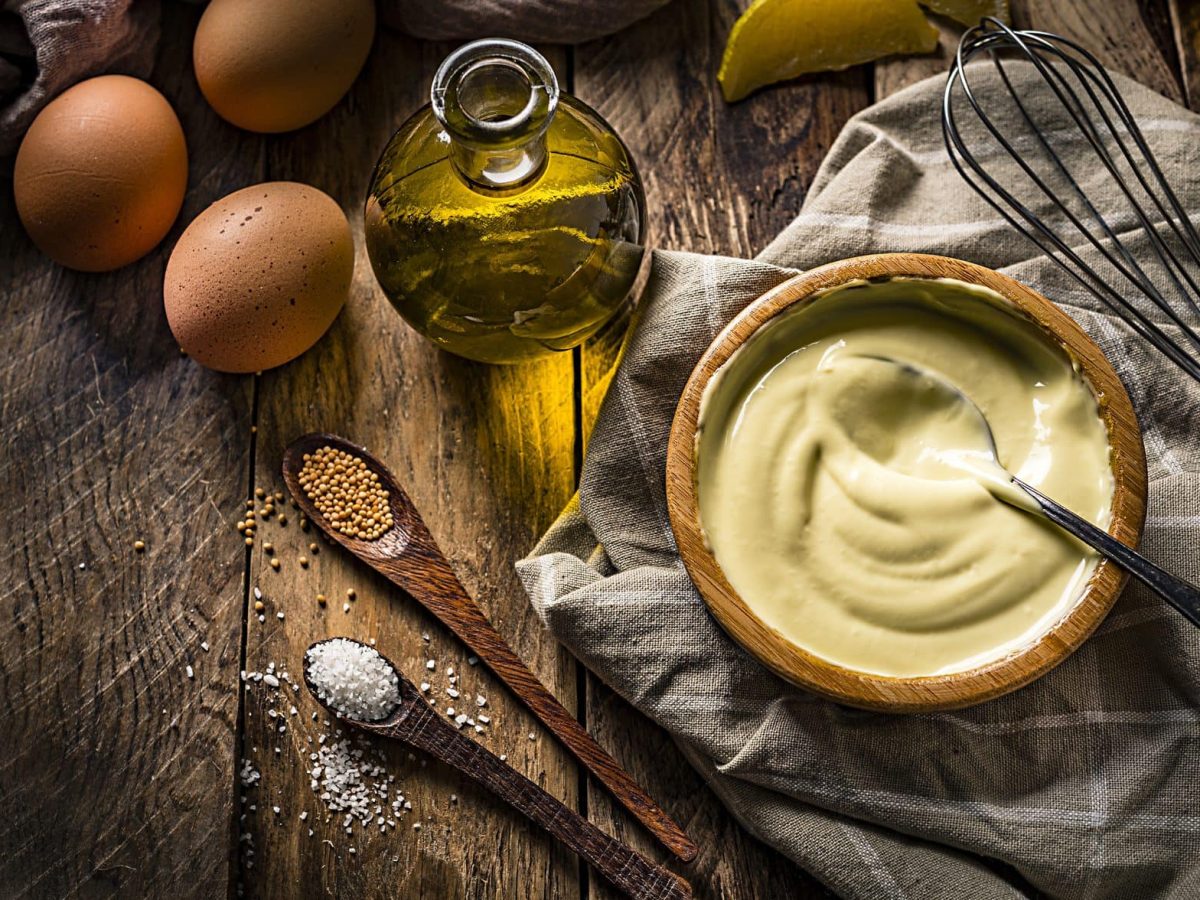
x: 968, y: 12
x: 779, y: 39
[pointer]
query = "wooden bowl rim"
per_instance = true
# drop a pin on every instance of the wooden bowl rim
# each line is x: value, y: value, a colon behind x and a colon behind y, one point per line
x: 925, y: 693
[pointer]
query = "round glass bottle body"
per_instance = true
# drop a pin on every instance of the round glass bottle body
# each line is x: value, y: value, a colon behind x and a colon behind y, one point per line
x: 505, y: 222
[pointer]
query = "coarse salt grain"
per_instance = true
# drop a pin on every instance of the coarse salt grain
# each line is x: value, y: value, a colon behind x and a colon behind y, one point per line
x: 354, y: 679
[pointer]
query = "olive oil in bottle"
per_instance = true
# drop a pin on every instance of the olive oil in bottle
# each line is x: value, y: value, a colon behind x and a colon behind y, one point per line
x: 504, y: 221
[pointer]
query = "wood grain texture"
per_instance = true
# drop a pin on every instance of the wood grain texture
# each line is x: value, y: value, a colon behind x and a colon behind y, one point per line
x: 408, y: 556
x: 936, y: 692
x: 719, y: 179
x: 486, y: 453
x: 415, y: 722
x: 117, y: 771
x: 1185, y: 27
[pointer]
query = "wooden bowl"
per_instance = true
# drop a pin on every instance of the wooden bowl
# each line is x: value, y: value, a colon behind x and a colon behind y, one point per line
x: 909, y: 694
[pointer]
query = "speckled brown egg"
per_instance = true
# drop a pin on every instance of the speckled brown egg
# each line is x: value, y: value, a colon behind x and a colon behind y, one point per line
x: 101, y: 173
x: 259, y: 276
x: 276, y: 65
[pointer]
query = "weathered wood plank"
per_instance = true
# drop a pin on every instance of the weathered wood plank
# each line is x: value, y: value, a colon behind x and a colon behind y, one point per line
x: 1126, y: 35
x: 719, y: 179
x: 486, y: 454
x: 117, y: 773
x: 1185, y: 25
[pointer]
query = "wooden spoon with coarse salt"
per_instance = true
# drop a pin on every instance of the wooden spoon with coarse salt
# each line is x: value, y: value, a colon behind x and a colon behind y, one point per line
x: 413, y: 721
x: 407, y: 555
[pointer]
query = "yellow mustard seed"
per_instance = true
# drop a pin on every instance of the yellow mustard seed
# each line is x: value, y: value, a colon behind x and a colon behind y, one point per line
x: 259, y: 492
x: 350, y: 593
x: 258, y: 606
x: 275, y: 563
x: 250, y: 542
x: 320, y: 599
x: 139, y: 546
x: 304, y: 562
x: 347, y: 493
x: 269, y: 547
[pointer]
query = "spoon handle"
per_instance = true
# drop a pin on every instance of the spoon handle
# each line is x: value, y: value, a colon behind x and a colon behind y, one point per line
x: 628, y: 870
x: 1181, y: 595
x: 425, y: 574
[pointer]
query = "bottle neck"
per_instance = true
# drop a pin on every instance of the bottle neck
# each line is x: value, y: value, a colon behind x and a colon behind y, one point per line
x: 495, y: 99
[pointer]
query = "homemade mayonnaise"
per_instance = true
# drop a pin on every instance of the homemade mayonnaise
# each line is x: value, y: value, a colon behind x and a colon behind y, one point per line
x: 825, y: 497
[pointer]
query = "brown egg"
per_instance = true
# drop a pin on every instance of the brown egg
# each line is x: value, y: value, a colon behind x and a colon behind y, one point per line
x: 101, y: 173
x: 259, y: 276
x: 276, y: 65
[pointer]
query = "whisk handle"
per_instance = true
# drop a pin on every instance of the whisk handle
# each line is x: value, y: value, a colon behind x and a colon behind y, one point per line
x: 1181, y: 595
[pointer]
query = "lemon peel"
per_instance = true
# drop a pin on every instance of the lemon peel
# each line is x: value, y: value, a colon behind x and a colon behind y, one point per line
x: 775, y: 40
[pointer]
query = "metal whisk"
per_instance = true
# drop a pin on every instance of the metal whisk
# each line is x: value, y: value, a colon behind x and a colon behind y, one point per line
x: 1044, y: 199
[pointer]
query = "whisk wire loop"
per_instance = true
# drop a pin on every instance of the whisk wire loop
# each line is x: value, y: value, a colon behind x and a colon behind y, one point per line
x: 1090, y: 106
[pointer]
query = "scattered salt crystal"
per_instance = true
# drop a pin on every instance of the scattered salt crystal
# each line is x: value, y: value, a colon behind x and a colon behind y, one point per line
x: 270, y: 680
x: 303, y: 815
x: 257, y: 594
x: 451, y: 692
x: 279, y: 615
x: 532, y: 736
x: 479, y: 729
x: 430, y: 664
x: 425, y: 636
x: 424, y: 687
x: 503, y: 757
x: 450, y: 711
x: 472, y: 660
x: 480, y: 700
x: 204, y: 647
x: 190, y: 672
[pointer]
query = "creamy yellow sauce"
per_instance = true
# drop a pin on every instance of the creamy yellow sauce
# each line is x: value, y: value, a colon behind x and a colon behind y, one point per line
x: 853, y: 504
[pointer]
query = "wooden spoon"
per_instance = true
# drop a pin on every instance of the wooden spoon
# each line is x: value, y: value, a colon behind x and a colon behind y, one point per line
x: 408, y: 556
x: 415, y: 723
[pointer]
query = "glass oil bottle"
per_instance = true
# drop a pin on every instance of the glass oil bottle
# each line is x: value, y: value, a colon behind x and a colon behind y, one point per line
x: 504, y: 220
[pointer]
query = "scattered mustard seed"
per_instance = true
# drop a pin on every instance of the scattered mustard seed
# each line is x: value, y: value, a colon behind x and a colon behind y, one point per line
x: 350, y: 593
x: 313, y: 548
x: 304, y: 562
x: 269, y: 547
x: 320, y: 599
x: 258, y: 606
x: 282, y: 520
x: 139, y: 546
x: 279, y: 496
x: 275, y: 563
x: 259, y: 492
x: 250, y: 542
x: 347, y: 493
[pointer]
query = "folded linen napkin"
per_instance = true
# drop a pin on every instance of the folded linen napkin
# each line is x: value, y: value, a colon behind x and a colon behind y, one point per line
x: 1087, y: 782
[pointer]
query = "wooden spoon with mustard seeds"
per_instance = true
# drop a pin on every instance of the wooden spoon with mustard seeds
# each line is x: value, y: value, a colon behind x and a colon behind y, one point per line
x: 414, y: 722
x: 406, y: 554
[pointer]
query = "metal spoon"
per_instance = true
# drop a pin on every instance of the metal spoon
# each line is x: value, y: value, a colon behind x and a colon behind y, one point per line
x: 1181, y: 595
x: 416, y: 724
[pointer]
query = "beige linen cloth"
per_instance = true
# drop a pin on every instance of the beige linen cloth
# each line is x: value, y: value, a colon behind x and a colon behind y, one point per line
x: 1087, y: 782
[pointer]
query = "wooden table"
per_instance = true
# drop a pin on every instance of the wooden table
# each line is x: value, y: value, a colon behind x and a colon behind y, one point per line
x: 119, y: 775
